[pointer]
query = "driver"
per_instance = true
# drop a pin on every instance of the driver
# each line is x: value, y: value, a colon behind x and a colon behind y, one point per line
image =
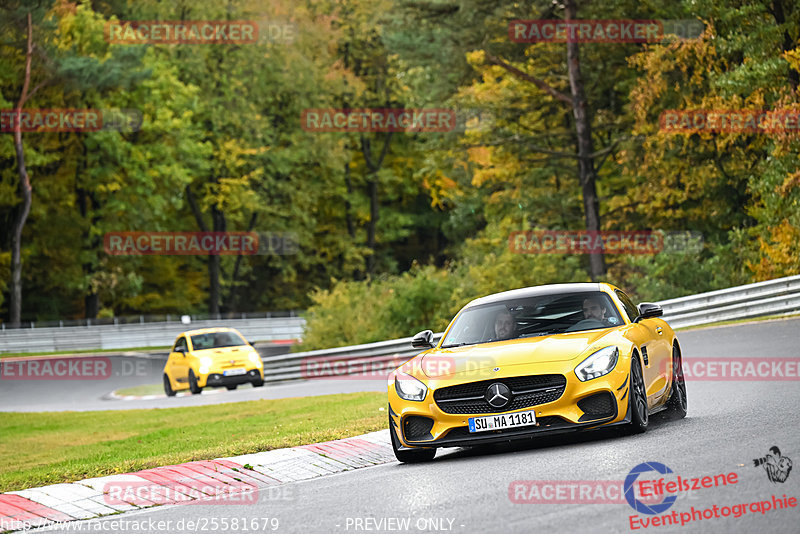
x: 594, y: 308
x: 504, y: 326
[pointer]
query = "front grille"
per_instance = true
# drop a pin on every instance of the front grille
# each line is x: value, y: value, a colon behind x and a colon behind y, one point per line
x: 416, y: 428
x: 526, y: 391
x: 597, y: 406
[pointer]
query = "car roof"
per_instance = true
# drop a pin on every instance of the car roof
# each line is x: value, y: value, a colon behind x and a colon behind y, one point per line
x: 208, y: 331
x: 538, y: 291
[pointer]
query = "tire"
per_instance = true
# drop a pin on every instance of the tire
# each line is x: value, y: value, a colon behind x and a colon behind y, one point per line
x: 258, y: 383
x: 231, y: 388
x: 412, y: 456
x: 168, y: 387
x: 677, y: 403
x: 193, y: 387
x: 637, y: 399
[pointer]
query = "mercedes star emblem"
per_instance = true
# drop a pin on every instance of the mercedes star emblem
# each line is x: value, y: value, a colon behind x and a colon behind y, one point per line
x: 498, y: 395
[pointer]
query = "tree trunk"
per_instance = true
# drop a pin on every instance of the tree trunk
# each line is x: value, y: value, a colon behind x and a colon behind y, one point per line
x: 372, y: 190
x: 587, y: 173
x: 25, y: 191
x: 217, y: 221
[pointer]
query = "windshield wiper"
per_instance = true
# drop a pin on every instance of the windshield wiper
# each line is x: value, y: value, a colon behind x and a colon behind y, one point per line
x: 547, y: 333
x: 456, y: 345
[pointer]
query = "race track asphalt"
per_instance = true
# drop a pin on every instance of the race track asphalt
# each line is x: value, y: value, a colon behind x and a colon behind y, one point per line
x: 729, y: 424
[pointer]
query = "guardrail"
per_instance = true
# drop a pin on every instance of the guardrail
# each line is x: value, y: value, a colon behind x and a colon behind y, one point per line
x: 744, y: 302
x: 773, y: 297
x: 125, y: 336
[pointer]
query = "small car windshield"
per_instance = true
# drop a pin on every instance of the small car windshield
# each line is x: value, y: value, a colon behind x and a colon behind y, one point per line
x: 216, y: 340
x: 533, y: 316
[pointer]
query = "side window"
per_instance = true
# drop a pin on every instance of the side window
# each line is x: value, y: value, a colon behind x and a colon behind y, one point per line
x: 181, y: 343
x: 627, y: 303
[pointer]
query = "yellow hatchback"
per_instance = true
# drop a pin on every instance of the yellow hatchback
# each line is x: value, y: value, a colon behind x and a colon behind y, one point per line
x: 211, y: 357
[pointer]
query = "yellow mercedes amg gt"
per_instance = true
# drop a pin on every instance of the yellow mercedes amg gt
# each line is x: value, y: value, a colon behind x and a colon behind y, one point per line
x: 211, y: 357
x: 545, y: 359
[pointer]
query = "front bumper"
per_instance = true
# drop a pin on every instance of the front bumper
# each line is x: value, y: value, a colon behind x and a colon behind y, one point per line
x: 218, y: 379
x: 581, y: 406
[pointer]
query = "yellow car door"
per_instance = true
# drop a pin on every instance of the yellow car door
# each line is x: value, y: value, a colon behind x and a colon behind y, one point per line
x: 178, y: 365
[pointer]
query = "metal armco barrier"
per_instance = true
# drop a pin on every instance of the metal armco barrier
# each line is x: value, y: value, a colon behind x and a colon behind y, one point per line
x: 773, y: 297
x: 280, y: 329
x: 780, y: 296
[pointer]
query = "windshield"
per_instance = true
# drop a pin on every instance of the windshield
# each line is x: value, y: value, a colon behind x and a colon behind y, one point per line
x: 217, y: 340
x: 533, y: 316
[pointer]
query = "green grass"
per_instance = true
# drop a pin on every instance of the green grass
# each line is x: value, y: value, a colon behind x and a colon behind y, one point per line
x: 151, y: 389
x: 51, y: 447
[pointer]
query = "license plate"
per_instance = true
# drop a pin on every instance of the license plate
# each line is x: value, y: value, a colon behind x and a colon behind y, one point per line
x: 498, y: 422
x: 234, y: 372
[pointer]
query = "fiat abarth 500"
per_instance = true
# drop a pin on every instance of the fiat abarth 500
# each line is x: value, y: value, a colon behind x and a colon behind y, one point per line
x: 211, y: 357
x: 536, y: 360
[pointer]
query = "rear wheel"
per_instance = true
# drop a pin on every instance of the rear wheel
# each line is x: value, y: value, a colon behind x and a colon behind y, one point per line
x: 677, y: 403
x: 411, y: 456
x: 193, y: 387
x: 637, y: 399
x: 168, y: 387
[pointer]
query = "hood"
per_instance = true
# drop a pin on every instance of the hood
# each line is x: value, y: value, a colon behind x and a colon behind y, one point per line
x: 471, y: 358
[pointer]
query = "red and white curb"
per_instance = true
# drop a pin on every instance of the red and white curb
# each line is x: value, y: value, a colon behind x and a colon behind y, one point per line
x: 236, y: 480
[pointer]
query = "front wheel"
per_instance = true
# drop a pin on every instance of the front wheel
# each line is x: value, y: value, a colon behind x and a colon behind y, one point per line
x: 193, y: 387
x: 411, y: 456
x: 168, y: 387
x: 231, y: 388
x: 677, y: 403
x: 637, y: 399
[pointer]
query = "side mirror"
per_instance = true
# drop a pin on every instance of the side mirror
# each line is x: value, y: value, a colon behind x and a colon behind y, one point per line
x: 648, y: 310
x: 423, y: 340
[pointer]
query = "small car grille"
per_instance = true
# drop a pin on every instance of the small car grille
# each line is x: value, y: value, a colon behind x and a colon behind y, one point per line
x: 597, y: 406
x: 417, y: 428
x: 526, y: 391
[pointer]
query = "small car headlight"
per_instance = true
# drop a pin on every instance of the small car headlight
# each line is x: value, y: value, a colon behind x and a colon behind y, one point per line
x: 205, y: 364
x: 409, y: 388
x: 598, y: 364
x: 254, y: 357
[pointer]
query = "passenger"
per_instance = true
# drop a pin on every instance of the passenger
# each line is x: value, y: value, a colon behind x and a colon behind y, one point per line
x: 594, y: 308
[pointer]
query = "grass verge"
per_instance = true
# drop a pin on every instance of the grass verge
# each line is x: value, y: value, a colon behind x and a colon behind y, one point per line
x: 47, y: 448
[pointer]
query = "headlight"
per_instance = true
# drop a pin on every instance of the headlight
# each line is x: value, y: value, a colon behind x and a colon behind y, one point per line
x: 598, y: 364
x: 205, y: 365
x: 409, y: 388
x: 254, y: 357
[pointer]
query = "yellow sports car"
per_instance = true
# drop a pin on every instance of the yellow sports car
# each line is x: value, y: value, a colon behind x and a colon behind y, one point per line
x: 211, y: 357
x: 542, y: 359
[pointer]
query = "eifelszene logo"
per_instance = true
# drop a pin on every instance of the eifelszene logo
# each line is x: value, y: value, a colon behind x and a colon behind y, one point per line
x: 636, y: 504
